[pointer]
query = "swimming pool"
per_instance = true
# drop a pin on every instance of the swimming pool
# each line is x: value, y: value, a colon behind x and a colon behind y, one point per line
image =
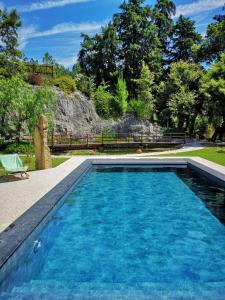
x: 127, y: 232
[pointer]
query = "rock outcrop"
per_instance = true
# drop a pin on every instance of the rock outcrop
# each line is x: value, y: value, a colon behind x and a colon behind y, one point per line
x: 76, y: 115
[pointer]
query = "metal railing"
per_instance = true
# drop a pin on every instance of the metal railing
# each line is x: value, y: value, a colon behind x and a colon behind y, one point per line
x: 120, y: 139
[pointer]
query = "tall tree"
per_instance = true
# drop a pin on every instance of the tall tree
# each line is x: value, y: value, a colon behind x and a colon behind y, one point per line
x: 145, y: 90
x: 9, y: 54
x: 213, y: 87
x: 98, y: 55
x: 163, y: 14
x: 180, y: 93
x: 183, y: 39
x: 139, y: 41
x: 48, y: 59
x: 214, y: 43
x: 9, y: 24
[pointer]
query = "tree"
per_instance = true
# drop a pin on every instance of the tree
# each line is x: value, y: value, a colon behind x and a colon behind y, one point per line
x: 48, y: 59
x: 145, y: 90
x: 9, y: 24
x: 181, y: 107
x: 9, y: 54
x: 104, y: 102
x: 21, y: 106
x: 163, y: 13
x: 183, y: 39
x: 122, y: 94
x: 98, y: 56
x: 139, y: 41
x: 214, y: 43
x: 180, y: 95
x: 213, y: 88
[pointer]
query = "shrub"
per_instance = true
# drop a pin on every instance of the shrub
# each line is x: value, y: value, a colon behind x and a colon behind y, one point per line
x: 35, y: 79
x: 21, y: 148
x: 103, y: 100
x: 65, y: 83
x: 86, y: 85
x: 122, y: 94
x: 138, y: 108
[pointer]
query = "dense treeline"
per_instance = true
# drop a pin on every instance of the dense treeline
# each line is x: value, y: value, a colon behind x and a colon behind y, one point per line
x: 145, y: 61
x: 165, y: 69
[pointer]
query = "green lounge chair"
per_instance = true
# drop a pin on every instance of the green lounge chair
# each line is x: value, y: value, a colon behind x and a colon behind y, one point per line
x: 13, y: 164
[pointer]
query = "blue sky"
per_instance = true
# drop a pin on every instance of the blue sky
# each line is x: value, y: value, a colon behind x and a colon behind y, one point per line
x: 55, y: 26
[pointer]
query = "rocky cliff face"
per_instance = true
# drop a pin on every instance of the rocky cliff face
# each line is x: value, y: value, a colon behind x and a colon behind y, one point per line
x: 76, y: 114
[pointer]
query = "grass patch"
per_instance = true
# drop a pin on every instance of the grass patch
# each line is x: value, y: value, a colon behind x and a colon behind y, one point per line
x: 30, y: 162
x: 214, y: 154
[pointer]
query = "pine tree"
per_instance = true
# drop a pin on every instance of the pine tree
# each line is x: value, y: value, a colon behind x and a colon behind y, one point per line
x: 139, y: 41
x: 163, y: 13
x: 184, y: 38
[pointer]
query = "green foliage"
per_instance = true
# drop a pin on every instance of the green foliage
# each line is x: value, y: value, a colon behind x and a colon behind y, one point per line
x: 48, y: 59
x: 214, y: 43
x: 122, y: 94
x: 139, y: 41
x: 183, y: 39
x: 9, y: 24
x: 145, y: 89
x: 213, y: 88
x: 104, y: 102
x: 85, y: 84
x: 21, y: 105
x: 181, y: 107
x: 10, y: 56
x: 163, y: 13
x: 138, y: 108
x: 201, y: 125
x: 180, y: 94
x: 98, y: 56
x: 20, y: 148
x: 65, y: 83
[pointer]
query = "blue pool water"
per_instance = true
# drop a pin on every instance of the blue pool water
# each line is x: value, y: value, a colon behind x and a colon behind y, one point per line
x: 141, y: 234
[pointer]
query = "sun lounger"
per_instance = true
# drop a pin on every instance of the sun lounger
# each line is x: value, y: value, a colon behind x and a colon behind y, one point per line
x: 13, y: 164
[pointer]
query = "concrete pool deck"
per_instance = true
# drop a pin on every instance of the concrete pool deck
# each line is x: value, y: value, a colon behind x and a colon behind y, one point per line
x: 17, y: 197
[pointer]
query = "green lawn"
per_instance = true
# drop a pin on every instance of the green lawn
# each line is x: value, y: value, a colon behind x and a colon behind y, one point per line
x: 214, y: 154
x: 30, y: 162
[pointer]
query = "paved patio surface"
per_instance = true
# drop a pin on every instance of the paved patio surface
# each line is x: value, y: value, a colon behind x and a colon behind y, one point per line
x: 17, y: 197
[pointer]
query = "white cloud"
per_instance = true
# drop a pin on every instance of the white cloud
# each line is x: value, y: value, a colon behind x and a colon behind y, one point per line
x: 31, y: 32
x: 48, y: 4
x: 198, y: 6
x: 25, y: 33
x: 1, y: 5
x: 68, y: 61
x: 70, y: 27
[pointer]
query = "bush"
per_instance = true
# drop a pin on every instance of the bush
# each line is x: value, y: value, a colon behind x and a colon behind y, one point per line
x: 35, y: 79
x: 86, y: 85
x: 138, y: 108
x: 65, y: 83
x: 21, y: 148
x: 106, y: 104
x: 122, y: 95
